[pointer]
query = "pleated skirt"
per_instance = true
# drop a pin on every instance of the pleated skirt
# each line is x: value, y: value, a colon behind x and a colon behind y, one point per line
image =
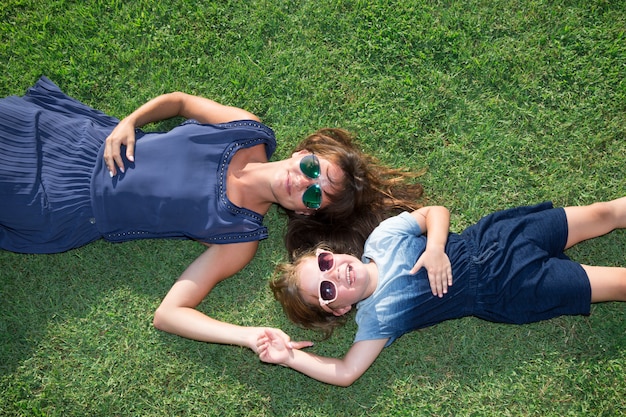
x: 49, y: 144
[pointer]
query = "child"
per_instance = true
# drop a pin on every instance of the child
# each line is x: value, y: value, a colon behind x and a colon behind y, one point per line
x: 508, y: 268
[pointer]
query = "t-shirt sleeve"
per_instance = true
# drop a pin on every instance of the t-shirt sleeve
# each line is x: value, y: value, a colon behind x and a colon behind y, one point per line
x: 389, y: 231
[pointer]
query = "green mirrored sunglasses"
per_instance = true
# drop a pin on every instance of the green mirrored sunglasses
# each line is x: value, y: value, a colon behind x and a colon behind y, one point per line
x: 312, y: 197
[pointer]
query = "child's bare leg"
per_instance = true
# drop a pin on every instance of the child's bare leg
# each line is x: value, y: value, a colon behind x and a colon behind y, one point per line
x: 607, y: 283
x: 586, y: 222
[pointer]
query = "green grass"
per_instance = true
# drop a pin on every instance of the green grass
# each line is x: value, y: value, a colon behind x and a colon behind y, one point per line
x: 505, y: 103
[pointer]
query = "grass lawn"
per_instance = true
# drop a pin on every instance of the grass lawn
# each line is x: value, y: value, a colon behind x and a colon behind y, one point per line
x: 504, y: 102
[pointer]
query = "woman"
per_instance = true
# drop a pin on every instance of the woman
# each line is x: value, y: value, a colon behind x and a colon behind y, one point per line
x: 70, y: 175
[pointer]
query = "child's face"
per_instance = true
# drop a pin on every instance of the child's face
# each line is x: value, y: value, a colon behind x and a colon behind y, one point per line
x: 335, y: 281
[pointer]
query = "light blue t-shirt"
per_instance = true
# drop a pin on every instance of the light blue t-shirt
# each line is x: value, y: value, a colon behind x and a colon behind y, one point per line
x: 395, y: 245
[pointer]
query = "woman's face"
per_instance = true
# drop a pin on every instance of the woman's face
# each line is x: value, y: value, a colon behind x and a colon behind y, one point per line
x: 306, y: 183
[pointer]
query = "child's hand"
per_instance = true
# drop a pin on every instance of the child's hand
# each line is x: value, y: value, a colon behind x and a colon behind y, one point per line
x: 252, y: 340
x: 274, y: 346
x: 439, y: 271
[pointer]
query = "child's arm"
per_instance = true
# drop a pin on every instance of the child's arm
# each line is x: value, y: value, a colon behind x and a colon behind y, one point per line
x: 435, y: 222
x: 342, y: 372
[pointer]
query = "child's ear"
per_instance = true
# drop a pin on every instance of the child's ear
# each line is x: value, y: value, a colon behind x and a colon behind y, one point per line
x: 341, y: 311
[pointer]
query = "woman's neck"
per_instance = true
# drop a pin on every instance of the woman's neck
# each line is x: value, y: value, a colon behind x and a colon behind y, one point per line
x: 248, y: 186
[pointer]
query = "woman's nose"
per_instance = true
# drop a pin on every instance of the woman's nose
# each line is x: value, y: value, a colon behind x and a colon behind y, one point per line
x: 305, y: 182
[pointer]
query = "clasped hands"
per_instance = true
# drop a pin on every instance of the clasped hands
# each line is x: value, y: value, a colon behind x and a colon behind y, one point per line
x: 274, y: 346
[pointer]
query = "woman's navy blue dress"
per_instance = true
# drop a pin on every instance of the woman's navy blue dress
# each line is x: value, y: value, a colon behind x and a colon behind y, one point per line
x: 56, y: 193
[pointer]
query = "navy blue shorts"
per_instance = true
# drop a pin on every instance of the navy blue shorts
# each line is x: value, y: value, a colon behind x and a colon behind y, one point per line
x: 523, y: 275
